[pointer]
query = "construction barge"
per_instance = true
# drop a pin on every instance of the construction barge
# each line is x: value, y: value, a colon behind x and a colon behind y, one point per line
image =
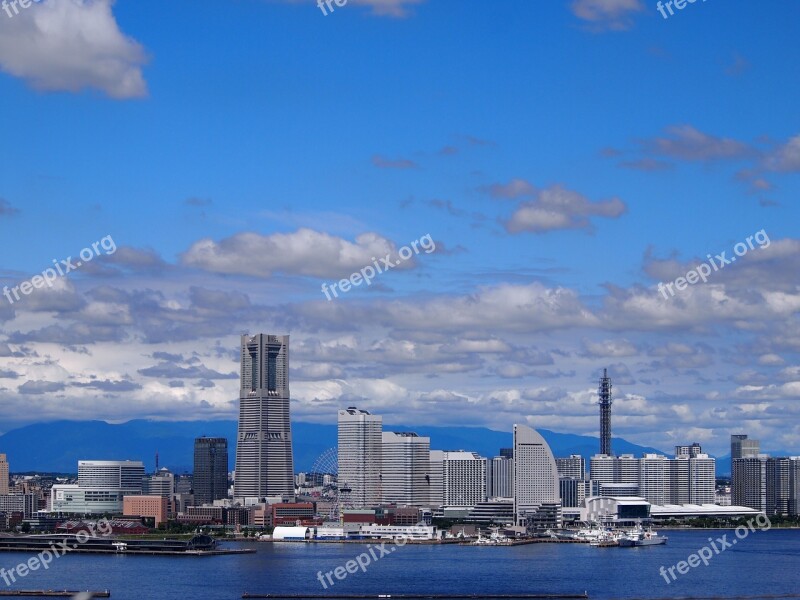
x: 199, y: 545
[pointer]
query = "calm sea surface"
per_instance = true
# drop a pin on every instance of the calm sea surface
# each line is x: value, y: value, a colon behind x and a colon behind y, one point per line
x: 765, y: 563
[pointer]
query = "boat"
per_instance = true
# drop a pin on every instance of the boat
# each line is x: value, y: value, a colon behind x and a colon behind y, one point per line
x: 495, y: 539
x: 642, y: 537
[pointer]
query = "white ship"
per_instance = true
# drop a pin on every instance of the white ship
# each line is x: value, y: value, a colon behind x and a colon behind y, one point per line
x: 642, y: 537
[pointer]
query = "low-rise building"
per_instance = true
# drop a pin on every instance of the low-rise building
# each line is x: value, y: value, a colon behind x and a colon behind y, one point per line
x: 152, y: 507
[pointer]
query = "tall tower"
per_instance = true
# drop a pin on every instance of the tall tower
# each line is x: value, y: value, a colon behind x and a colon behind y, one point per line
x: 210, y: 470
x: 264, y: 464
x: 359, y: 456
x: 604, y: 391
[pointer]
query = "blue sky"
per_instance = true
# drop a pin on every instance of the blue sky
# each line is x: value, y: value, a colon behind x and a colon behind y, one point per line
x: 565, y: 157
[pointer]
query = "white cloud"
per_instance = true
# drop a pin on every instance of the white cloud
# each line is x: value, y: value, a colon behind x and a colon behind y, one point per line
x: 304, y: 252
x: 558, y: 208
x: 71, y: 45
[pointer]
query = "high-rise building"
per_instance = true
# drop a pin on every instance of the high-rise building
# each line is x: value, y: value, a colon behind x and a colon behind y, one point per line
x: 500, y: 477
x: 264, y: 463
x: 692, y: 451
x: 405, y: 468
x: 463, y: 478
x: 604, y: 392
x: 741, y: 447
x: 161, y: 484
x: 210, y: 477
x: 535, y: 474
x: 778, y: 486
x: 749, y: 482
x: 654, y: 479
x: 359, y: 456
x: 573, y: 467
x: 794, y: 486
x: 702, y: 479
x: 3, y: 474
x: 685, y: 479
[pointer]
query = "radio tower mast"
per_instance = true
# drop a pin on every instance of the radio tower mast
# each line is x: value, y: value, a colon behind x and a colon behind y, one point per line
x: 604, y: 391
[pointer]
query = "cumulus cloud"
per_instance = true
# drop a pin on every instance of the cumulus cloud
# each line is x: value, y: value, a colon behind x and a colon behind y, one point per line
x: 609, y: 14
x: 304, y: 252
x: 71, y: 45
x: 558, y: 208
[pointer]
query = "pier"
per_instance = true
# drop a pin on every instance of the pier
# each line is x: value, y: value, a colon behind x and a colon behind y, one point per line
x: 52, y: 593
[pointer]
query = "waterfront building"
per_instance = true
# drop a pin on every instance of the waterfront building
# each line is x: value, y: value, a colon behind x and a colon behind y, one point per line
x: 654, y: 478
x: 749, y: 482
x: 463, y: 478
x: 264, y: 462
x: 778, y: 486
x: 153, y: 507
x: 405, y: 468
x: 535, y: 475
x: 210, y: 476
x: 101, y: 488
x: 702, y: 479
x: 794, y: 486
x: 359, y: 456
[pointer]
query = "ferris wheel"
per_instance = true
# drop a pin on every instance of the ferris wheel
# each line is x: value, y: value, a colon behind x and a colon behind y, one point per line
x: 334, y: 492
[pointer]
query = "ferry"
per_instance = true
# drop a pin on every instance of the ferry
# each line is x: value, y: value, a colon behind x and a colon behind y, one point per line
x: 642, y: 537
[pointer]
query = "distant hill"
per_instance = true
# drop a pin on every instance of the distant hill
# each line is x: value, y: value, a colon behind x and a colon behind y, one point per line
x: 57, y: 446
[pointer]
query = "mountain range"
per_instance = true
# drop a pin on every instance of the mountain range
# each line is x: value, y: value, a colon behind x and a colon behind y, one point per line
x: 58, y: 445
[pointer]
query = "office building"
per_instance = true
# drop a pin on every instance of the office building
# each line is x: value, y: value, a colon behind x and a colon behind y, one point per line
x: 742, y: 447
x: 3, y: 474
x: 264, y: 463
x: 535, y: 475
x: 500, y: 477
x: 405, y: 467
x: 463, y: 478
x: 161, y: 484
x: 573, y: 467
x: 101, y: 488
x: 359, y: 456
x: 210, y: 477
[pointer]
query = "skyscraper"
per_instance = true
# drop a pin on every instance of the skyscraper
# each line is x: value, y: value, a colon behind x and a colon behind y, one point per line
x: 3, y: 474
x: 405, y: 468
x: 749, y: 482
x: 573, y: 467
x: 264, y: 464
x: 210, y: 470
x: 359, y: 456
x: 535, y: 474
x: 604, y: 391
x: 741, y: 447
